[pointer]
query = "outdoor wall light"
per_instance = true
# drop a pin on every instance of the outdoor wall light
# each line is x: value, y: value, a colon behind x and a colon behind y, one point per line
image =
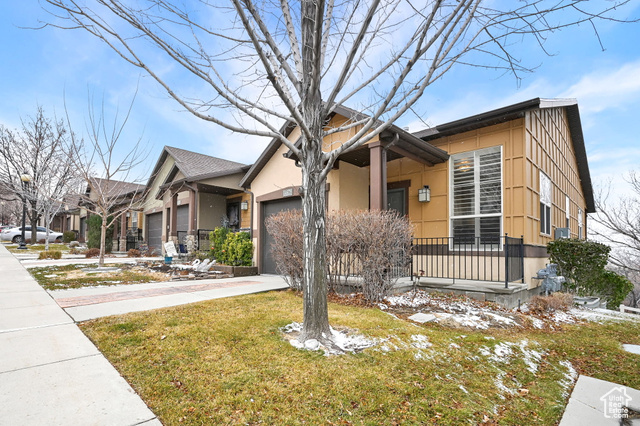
x: 244, y: 205
x: 424, y: 194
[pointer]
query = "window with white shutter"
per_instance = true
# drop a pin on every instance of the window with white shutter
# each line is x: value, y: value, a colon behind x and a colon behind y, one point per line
x: 476, y: 206
x: 545, y: 204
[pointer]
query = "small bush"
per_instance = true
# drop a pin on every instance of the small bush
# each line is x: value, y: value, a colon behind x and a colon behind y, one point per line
x: 41, y: 241
x: 74, y: 244
x: 549, y: 304
x: 68, y: 236
x: 92, y: 252
x: 217, y: 237
x: 50, y: 254
x: 237, y: 250
x: 133, y: 253
x: 286, y: 250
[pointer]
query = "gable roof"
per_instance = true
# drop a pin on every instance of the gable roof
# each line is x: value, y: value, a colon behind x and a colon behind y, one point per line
x: 518, y: 110
x: 116, y: 188
x: 407, y: 145
x: 195, y: 166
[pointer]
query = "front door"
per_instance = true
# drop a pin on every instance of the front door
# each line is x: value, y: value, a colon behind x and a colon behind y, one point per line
x: 397, y: 200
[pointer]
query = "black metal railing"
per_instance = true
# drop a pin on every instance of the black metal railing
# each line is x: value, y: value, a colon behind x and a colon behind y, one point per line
x: 495, y: 258
x: 203, y: 239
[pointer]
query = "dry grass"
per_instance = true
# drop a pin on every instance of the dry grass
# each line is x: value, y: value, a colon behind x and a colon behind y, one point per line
x: 73, y: 276
x: 225, y: 362
x: 549, y: 304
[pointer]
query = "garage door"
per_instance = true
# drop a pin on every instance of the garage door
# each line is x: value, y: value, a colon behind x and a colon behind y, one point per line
x: 154, y: 232
x: 268, y: 266
x: 182, y: 223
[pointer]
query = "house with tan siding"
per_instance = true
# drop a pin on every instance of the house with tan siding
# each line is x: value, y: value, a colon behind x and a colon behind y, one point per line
x: 190, y: 194
x: 484, y: 194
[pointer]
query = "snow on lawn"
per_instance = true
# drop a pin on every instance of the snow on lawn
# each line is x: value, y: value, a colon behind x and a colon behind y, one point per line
x: 454, y: 312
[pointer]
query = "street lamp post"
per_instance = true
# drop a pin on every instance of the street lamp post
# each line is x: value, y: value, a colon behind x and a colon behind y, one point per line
x: 25, y: 178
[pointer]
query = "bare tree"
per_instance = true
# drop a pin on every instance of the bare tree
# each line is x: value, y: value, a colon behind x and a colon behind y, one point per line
x: 618, y: 224
x: 261, y: 63
x: 37, y: 150
x: 107, y: 169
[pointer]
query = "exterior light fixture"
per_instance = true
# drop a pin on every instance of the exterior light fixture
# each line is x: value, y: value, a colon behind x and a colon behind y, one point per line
x: 424, y: 194
x: 244, y: 205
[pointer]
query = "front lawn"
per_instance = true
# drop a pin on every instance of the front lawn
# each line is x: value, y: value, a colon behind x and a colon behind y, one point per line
x: 62, y: 277
x: 37, y: 248
x: 225, y: 361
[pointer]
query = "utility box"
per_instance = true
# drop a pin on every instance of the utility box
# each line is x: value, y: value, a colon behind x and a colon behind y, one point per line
x: 561, y: 233
x: 551, y: 281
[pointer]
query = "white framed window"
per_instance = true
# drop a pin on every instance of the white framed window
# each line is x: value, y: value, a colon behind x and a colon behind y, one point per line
x: 134, y: 219
x: 580, y: 228
x: 567, y: 207
x: 545, y: 204
x: 476, y: 201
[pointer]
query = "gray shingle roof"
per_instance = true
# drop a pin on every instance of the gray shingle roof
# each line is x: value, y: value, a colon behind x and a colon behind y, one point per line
x: 194, y: 165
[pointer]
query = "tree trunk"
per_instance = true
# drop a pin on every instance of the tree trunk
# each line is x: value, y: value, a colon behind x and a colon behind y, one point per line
x: 34, y: 225
x: 103, y: 235
x: 314, y: 283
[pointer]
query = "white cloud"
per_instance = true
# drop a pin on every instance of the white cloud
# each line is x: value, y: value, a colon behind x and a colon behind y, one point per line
x: 607, y: 88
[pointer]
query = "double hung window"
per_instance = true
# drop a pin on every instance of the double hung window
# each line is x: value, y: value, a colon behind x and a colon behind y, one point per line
x: 580, y: 228
x: 476, y: 207
x: 545, y: 204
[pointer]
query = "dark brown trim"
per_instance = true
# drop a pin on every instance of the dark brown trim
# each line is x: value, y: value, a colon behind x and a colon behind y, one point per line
x: 288, y: 192
x: 399, y: 184
x: 535, y: 251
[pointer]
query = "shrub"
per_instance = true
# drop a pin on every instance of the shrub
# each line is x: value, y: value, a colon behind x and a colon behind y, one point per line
x: 373, y: 245
x: 68, y: 236
x: 133, y: 253
x: 583, y: 265
x: 74, y: 244
x: 94, y: 228
x: 50, y: 254
x: 92, y: 252
x: 237, y: 249
x: 549, y: 304
x: 613, y: 288
x: 286, y: 250
x: 217, y: 237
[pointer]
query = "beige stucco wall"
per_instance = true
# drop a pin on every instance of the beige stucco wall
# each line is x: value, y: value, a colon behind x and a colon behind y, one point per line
x: 211, y: 208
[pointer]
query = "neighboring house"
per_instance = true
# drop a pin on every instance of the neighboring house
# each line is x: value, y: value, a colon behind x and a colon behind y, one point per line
x: 124, y: 199
x: 520, y: 170
x: 68, y: 218
x: 190, y: 194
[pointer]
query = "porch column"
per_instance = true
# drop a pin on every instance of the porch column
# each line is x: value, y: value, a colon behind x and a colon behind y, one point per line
x: 193, y: 217
x: 378, y: 176
x: 173, y: 222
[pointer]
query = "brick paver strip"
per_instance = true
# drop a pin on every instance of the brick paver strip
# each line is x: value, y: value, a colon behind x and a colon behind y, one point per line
x: 70, y: 302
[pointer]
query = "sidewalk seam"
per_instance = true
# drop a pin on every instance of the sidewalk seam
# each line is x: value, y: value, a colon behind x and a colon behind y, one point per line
x: 52, y: 363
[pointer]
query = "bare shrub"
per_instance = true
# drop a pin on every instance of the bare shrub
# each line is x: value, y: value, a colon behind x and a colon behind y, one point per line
x: 133, y: 253
x: 549, y: 304
x: 92, y: 252
x: 382, y: 243
x: 286, y: 230
x: 50, y: 254
x: 370, y: 245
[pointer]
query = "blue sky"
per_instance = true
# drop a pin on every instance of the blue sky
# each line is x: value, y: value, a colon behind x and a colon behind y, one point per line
x: 42, y: 67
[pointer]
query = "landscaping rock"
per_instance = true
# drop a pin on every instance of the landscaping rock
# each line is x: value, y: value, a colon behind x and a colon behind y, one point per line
x: 422, y: 318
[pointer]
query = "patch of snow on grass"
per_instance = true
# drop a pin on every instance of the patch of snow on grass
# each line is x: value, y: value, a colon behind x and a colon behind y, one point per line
x: 569, y: 378
x: 420, y: 341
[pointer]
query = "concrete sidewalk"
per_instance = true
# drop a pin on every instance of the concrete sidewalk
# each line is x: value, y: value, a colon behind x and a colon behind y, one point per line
x: 94, y: 302
x: 51, y: 374
x: 593, y: 402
